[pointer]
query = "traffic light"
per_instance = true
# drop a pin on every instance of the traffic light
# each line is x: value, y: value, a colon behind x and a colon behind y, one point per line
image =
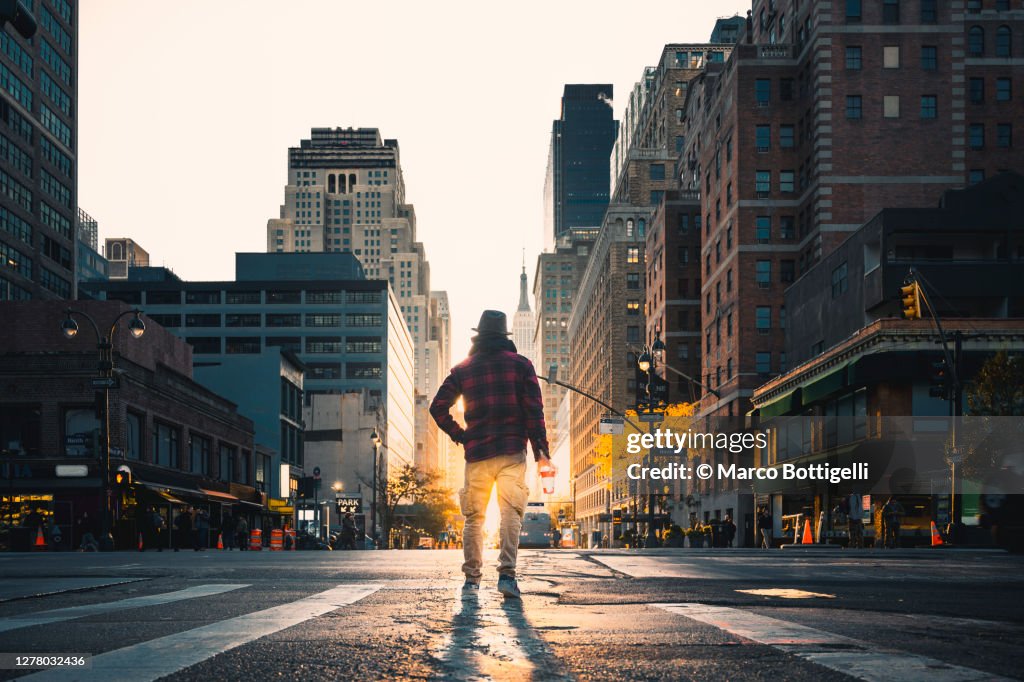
x: 123, y: 478
x: 939, y: 380
x: 616, y: 516
x: 910, y: 296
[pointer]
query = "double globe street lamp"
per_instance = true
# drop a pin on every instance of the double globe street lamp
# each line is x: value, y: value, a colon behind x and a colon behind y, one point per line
x: 105, y: 381
x: 648, y: 362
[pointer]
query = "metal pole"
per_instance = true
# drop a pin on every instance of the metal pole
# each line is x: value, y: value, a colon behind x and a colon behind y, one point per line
x: 108, y: 524
x: 373, y: 505
x: 652, y: 538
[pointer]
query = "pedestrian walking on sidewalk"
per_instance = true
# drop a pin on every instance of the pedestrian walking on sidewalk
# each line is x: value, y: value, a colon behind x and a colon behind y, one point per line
x: 242, y: 534
x: 504, y: 409
x: 764, y: 522
x: 892, y: 514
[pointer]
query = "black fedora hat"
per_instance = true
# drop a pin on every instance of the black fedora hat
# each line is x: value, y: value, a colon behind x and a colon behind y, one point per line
x: 492, y: 322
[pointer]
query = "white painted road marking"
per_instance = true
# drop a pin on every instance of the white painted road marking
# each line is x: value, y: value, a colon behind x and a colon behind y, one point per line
x: 166, y: 655
x: 27, y: 620
x: 20, y: 588
x: 859, y: 659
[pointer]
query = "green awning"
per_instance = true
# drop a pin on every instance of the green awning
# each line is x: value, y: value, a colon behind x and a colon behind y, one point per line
x: 787, y: 403
x: 824, y: 385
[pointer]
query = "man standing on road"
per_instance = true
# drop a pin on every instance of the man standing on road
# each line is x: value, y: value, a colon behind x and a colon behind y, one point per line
x: 892, y: 514
x: 504, y: 409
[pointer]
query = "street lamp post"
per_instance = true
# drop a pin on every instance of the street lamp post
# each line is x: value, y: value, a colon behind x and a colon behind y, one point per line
x: 375, y: 439
x: 648, y: 362
x: 105, y: 381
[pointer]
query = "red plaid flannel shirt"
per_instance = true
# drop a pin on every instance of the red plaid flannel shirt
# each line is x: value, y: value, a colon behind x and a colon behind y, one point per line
x: 503, y: 404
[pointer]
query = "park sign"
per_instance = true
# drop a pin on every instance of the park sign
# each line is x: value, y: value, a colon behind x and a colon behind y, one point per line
x: 347, y: 504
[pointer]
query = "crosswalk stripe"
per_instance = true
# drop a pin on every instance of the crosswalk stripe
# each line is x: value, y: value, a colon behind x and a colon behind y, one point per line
x: 57, y: 615
x: 166, y: 655
x: 856, y: 658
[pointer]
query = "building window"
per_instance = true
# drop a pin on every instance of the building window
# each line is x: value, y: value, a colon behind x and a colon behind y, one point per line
x: 839, y: 281
x: 226, y: 471
x: 632, y: 307
x: 929, y: 13
x: 976, y: 41
x: 763, y: 91
x: 684, y: 254
x: 683, y: 351
x: 657, y: 171
x: 764, y: 363
x: 929, y: 106
x: 891, y: 57
x: 853, y: 107
x: 764, y: 274
x: 975, y: 175
x: 787, y: 179
x: 363, y: 320
x: 242, y: 345
x: 633, y: 254
x: 323, y: 320
x: 891, y: 106
x: 204, y: 345
x: 242, y: 320
x: 763, y: 228
x: 763, y: 182
x: 976, y: 136
x: 1004, y: 91
x: 283, y: 320
x: 929, y: 57
x: 632, y: 334
x: 786, y: 137
x: 363, y: 370
x: 632, y: 280
x: 890, y: 11
x: 199, y: 448
x: 1004, y: 135
x: 323, y: 344
x: 787, y: 271
x: 787, y: 228
x: 1004, y: 40
x: 976, y: 90
x: 763, y: 137
x: 728, y: 280
x: 853, y: 11
x: 853, y: 58
x: 763, y: 318
x: 165, y: 445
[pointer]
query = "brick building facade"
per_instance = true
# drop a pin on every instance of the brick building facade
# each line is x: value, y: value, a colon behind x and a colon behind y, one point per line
x: 183, y: 443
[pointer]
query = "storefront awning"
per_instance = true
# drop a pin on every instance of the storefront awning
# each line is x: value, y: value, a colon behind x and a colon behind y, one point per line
x: 219, y: 496
x: 167, y: 496
x: 784, y: 404
x: 161, y: 489
x: 824, y: 385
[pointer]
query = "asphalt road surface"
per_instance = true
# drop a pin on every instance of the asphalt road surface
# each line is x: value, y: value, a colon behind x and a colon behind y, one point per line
x: 940, y: 616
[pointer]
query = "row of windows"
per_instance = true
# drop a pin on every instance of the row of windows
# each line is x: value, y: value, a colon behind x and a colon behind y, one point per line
x: 271, y: 320
x: 14, y: 225
x: 55, y: 156
x: 56, y: 126
x: 54, y: 92
x: 54, y: 220
x: 15, y: 191
x: 202, y: 297
x: 14, y: 85
x: 54, y: 28
x: 16, y: 53
x: 14, y: 155
x: 55, y: 283
x: 976, y: 135
x: 17, y: 123
x: 976, y: 41
x: 9, y: 291
x: 59, y: 66
x: 55, y: 188
x: 15, y: 260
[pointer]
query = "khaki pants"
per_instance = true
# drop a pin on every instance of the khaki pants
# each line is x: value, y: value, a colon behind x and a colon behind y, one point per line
x: 509, y: 472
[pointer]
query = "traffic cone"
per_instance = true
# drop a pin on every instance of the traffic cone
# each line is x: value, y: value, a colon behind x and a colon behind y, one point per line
x: 40, y: 540
x: 140, y: 542
x: 220, y: 541
x: 936, y: 538
x: 808, y: 538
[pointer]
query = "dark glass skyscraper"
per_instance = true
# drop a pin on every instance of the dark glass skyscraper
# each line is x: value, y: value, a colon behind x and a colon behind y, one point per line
x: 38, y: 143
x: 577, y: 182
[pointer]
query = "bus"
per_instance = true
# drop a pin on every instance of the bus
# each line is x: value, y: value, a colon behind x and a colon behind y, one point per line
x: 536, y: 531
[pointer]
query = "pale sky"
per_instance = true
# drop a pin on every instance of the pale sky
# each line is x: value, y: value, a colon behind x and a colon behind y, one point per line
x: 187, y: 110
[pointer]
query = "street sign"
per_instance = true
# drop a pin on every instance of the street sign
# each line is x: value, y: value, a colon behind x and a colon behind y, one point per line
x: 104, y: 382
x: 611, y: 426
x: 71, y: 470
x: 347, y: 504
x: 651, y: 417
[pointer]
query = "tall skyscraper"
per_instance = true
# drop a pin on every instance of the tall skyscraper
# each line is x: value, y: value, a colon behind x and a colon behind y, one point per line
x: 346, y: 194
x: 523, y: 322
x: 38, y: 147
x: 576, y: 184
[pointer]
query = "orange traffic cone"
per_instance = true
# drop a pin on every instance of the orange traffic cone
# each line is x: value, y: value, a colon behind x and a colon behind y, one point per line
x: 808, y: 538
x: 220, y: 541
x: 936, y: 538
x: 140, y: 542
x: 40, y: 540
